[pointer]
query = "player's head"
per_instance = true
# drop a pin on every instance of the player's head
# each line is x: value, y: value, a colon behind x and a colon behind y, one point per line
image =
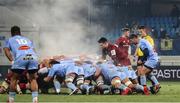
x: 142, y: 30
x: 15, y: 30
x: 103, y: 42
x: 134, y: 39
x: 126, y: 32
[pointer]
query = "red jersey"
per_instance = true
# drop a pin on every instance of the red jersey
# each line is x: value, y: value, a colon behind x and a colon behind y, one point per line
x: 117, y: 55
x: 123, y: 43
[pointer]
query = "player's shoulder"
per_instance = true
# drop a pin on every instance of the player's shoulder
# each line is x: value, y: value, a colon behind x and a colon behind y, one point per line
x: 112, y: 45
x: 121, y: 38
x: 55, y: 65
x: 142, y: 41
x: 148, y: 37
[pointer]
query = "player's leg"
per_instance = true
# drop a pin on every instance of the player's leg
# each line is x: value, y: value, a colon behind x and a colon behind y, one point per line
x: 85, y: 87
x: 139, y: 70
x: 13, y: 84
x: 146, y: 70
x: 124, y: 87
x: 32, y: 70
x: 71, y: 74
x: 133, y: 78
x: 155, y: 84
x: 151, y: 64
x: 69, y: 82
x: 57, y: 85
x: 129, y: 84
x: 101, y: 87
x: 33, y: 85
x: 80, y: 77
x: 17, y: 69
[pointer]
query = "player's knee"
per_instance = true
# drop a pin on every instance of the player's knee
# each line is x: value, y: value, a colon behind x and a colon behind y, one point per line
x: 13, y: 85
x: 80, y: 80
x: 100, y: 82
x: 69, y: 79
x: 129, y: 84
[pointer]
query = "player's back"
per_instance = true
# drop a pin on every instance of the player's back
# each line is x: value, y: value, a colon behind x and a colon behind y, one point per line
x: 20, y: 45
x: 108, y: 70
x: 57, y: 69
x: 150, y: 40
x: 89, y: 69
x: 145, y: 44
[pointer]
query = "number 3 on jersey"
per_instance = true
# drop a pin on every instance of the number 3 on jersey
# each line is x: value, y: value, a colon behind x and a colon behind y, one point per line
x: 21, y: 41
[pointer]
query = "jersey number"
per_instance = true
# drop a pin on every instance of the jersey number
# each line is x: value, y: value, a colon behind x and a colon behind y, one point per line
x: 21, y: 41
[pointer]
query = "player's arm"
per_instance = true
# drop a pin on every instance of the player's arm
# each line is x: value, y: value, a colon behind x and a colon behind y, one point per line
x: 114, y: 57
x: 7, y: 51
x: 145, y: 52
x: 8, y: 54
x: 47, y: 79
x: 97, y: 73
x: 50, y: 75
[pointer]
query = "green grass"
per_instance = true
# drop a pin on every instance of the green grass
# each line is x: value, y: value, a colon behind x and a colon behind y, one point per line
x: 170, y: 92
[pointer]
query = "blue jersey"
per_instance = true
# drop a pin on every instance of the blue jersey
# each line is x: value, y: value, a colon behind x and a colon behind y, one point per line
x: 70, y: 63
x: 89, y: 69
x: 64, y: 68
x: 109, y: 71
x: 57, y: 69
x: 143, y: 44
x: 19, y: 46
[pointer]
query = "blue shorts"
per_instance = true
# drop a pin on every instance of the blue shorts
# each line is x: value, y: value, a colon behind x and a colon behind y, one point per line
x: 22, y: 63
x: 151, y: 64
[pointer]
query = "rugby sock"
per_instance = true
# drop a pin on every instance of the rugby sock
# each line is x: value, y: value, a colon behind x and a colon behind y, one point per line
x: 11, y: 97
x: 35, y: 96
x: 122, y: 87
x: 71, y: 86
x: 57, y: 86
x: 143, y: 80
x: 139, y: 87
x: 153, y: 79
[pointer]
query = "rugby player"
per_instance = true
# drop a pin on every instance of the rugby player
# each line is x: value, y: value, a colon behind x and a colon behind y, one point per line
x: 113, y: 76
x: 124, y: 45
x: 21, y: 53
x: 151, y: 58
x: 155, y: 85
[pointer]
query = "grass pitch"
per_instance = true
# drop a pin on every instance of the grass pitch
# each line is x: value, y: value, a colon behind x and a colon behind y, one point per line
x: 170, y: 92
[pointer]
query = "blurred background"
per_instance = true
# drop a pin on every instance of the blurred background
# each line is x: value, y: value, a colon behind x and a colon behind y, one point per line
x: 74, y: 26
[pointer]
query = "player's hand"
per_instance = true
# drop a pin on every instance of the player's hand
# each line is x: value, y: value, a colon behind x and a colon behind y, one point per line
x: 139, y: 62
x: 46, y: 79
x: 12, y: 62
